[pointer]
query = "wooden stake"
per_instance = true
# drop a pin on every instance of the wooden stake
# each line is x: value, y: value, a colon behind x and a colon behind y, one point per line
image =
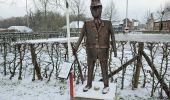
x: 139, y: 64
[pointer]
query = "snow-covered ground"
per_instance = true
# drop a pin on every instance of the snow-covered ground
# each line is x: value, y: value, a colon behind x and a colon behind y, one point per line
x: 59, y: 90
x: 28, y: 90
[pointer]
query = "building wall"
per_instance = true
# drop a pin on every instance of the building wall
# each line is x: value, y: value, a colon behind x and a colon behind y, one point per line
x: 166, y: 26
x: 150, y: 25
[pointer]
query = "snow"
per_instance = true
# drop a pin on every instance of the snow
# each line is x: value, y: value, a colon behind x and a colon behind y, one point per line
x: 28, y: 90
x: 21, y: 29
x: 158, y: 38
x: 50, y: 40
x: 143, y: 37
x: 96, y: 94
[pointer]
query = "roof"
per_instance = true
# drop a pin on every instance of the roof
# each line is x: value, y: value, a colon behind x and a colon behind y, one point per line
x: 21, y: 29
x: 117, y: 23
x: 74, y: 24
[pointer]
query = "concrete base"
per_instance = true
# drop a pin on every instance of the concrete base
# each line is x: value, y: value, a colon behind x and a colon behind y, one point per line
x: 95, y: 93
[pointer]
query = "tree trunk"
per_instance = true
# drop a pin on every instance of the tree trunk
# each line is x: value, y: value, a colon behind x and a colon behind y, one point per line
x: 124, y: 69
x: 51, y: 58
x: 20, y: 55
x: 35, y: 63
x: 134, y: 53
x: 4, y: 56
x: 144, y: 80
x: 14, y: 62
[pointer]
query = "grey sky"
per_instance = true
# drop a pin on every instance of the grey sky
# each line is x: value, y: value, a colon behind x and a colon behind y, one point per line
x: 137, y: 8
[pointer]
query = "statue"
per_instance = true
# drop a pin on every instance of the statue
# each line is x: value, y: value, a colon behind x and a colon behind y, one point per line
x: 97, y: 33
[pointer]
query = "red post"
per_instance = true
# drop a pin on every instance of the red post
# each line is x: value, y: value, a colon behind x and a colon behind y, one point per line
x: 71, y: 85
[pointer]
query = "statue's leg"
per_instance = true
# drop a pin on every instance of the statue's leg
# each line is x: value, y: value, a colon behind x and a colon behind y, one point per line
x: 91, y: 57
x: 104, y: 68
x: 103, y: 57
x: 91, y: 63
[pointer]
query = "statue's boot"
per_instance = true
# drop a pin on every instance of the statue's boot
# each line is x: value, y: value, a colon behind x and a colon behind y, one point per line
x: 86, y: 88
x: 105, y: 90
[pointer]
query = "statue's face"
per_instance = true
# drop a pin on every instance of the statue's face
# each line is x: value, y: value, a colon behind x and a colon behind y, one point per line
x: 96, y: 11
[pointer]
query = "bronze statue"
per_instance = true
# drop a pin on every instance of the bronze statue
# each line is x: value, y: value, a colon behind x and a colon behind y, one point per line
x: 97, y: 35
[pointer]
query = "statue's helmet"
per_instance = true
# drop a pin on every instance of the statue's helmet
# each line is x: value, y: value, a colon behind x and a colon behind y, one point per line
x: 95, y: 3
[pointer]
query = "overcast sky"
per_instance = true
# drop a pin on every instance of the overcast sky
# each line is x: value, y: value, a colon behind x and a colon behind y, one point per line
x: 137, y: 8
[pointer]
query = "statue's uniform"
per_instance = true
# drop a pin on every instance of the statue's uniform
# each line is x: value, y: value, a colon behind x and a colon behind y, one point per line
x: 97, y: 41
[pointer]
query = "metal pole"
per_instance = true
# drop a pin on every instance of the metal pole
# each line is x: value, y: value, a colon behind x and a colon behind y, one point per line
x: 71, y: 85
x: 126, y: 12
x: 68, y: 29
x: 27, y: 13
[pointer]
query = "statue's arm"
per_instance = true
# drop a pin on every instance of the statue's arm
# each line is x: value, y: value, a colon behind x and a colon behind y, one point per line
x: 113, y: 41
x: 83, y: 31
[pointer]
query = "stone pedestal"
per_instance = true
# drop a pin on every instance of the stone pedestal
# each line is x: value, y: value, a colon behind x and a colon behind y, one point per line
x: 95, y: 93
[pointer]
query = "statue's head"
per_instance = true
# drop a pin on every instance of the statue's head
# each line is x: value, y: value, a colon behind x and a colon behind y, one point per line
x: 96, y: 8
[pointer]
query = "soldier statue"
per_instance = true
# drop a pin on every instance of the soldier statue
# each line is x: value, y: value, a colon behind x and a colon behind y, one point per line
x: 97, y: 34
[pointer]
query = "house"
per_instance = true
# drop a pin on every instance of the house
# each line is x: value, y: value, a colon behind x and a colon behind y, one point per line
x: 118, y: 26
x: 165, y: 23
x: 142, y: 27
x: 135, y: 24
x: 23, y: 29
x: 150, y: 23
x: 129, y: 24
x: 75, y: 27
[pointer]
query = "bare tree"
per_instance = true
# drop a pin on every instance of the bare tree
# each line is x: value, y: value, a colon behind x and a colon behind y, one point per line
x: 163, y: 11
x: 5, y: 57
x: 45, y: 5
x: 78, y: 9
x: 167, y: 7
x: 147, y: 16
x: 14, y: 62
x: 21, y: 50
x: 110, y: 12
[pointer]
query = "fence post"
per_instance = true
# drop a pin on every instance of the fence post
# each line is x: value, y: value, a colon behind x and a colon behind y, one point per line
x: 139, y: 64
